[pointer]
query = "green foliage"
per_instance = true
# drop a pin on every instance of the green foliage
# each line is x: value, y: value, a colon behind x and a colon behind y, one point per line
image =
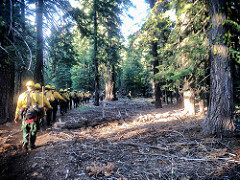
x: 136, y: 74
x: 83, y: 72
x: 62, y: 56
x: 85, y: 107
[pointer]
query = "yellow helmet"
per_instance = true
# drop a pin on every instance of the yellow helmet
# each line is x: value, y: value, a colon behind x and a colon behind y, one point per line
x: 37, y: 86
x: 65, y: 90
x: 30, y: 83
x: 61, y: 90
x: 47, y: 86
x: 69, y: 89
x: 53, y: 87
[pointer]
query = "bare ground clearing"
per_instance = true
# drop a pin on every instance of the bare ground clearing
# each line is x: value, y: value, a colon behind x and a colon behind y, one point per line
x: 120, y: 140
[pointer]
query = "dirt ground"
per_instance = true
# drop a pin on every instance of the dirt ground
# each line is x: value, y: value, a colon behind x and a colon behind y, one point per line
x: 120, y: 140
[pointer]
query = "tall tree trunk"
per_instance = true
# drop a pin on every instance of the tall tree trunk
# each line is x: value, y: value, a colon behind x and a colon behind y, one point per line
x: 156, y: 88
x: 201, y: 107
x: 188, y: 98
x: 38, y: 73
x: 166, y: 96
x: 108, y: 83
x: 95, y: 59
x: 114, y: 82
x: 219, y: 117
x: 23, y: 14
x: 6, y: 93
x: 7, y: 68
x: 178, y: 96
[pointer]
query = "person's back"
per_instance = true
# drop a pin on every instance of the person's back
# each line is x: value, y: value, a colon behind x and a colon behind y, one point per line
x: 44, y: 103
x: 28, y: 110
x: 28, y: 98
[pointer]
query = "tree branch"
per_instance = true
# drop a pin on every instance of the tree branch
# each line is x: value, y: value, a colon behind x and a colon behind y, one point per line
x: 30, y: 52
x: 3, y: 48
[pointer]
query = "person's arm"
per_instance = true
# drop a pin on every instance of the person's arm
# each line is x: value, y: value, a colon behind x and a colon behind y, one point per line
x: 58, y: 96
x: 19, y: 106
x: 67, y: 97
x: 46, y: 102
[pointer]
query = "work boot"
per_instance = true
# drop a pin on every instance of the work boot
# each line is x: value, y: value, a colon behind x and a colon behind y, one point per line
x: 32, y: 147
x: 25, y: 146
x: 32, y: 143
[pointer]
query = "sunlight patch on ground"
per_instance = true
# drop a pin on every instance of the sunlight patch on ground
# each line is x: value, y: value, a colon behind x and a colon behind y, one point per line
x: 138, y: 125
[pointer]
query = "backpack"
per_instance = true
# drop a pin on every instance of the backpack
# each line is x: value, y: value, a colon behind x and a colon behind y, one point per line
x: 30, y: 111
x: 55, y: 102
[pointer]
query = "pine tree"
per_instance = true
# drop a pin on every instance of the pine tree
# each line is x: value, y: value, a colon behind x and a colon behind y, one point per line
x: 219, y: 117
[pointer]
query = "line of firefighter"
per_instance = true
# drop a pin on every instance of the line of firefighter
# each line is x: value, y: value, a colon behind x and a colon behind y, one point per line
x: 64, y: 98
x: 30, y: 108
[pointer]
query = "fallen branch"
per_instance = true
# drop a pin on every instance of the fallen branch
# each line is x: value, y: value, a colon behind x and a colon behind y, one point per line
x: 189, y: 159
x: 39, y: 158
x: 175, y: 132
x: 153, y: 147
x: 10, y: 136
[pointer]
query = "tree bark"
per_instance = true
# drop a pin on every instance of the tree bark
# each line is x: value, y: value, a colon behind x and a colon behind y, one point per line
x: 219, y: 117
x: 7, y: 69
x: 38, y: 73
x: 95, y: 59
x: 114, y: 82
x: 22, y: 6
x: 188, y: 98
x: 156, y: 84
x: 157, y: 90
x: 201, y: 107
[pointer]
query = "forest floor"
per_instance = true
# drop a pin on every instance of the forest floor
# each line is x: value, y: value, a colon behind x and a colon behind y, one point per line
x: 124, y: 140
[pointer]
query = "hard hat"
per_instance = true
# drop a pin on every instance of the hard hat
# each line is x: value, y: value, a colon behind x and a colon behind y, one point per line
x: 75, y: 90
x: 53, y: 87
x: 30, y: 83
x: 61, y: 90
x: 65, y: 90
x: 69, y: 88
x: 47, y: 86
x: 37, y: 86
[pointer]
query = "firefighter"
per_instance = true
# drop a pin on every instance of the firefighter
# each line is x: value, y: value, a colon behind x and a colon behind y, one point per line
x: 57, y: 98
x: 28, y: 110
x: 129, y: 95
x: 88, y: 96
x: 75, y: 99
x: 47, y: 106
x: 70, y: 98
x: 50, y: 98
x: 62, y: 102
x: 80, y: 96
x: 66, y: 97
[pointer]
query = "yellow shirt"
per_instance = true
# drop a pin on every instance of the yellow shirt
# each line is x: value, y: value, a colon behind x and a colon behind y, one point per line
x: 88, y: 94
x: 65, y: 96
x: 80, y: 95
x: 35, y: 99
x: 45, y: 101
x: 57, y: 95
x: 70, y: 94
x: 49, y: 95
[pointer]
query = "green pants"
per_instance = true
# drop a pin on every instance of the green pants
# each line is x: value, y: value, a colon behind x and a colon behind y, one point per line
x: 29, y: 130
